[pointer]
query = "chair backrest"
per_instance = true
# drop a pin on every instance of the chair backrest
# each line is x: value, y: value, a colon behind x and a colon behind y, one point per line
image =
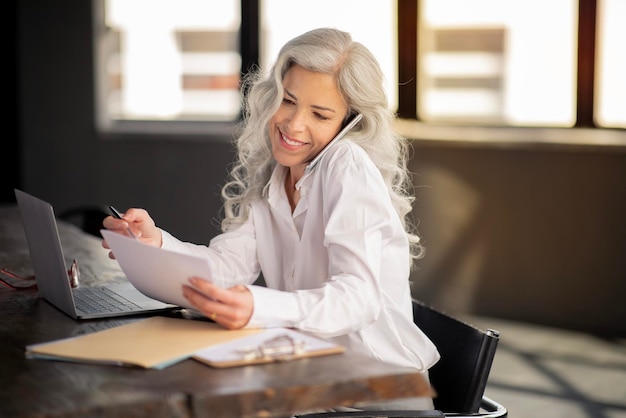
x: 460, y: 376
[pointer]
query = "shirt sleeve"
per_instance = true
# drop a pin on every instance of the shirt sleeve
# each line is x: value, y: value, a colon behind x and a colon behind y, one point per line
x: 232, y: 255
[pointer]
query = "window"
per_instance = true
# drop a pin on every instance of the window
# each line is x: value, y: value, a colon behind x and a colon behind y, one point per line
x: 611, y: 76
x: 497, y: 62
x: 175, y: 65
x: 513, y: 63
x: 167, y: 60
x: 284, y: 19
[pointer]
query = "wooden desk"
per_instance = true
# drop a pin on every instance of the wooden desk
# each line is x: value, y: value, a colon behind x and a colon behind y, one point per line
x: 39, y: 388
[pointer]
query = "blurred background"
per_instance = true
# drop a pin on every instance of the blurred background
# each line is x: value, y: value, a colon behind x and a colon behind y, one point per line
x: 516, y: 111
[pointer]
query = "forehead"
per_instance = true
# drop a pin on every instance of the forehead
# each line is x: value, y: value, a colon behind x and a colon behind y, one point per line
x: 320, y: 88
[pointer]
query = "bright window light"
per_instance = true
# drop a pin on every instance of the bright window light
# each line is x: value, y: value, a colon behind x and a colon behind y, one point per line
x: 497, y: 62
x: 370, y: 22
x: 611, y: 69
x: 169, y: 60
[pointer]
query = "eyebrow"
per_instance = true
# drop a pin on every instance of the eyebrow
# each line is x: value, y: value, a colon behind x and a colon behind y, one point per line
x: 313, y: 106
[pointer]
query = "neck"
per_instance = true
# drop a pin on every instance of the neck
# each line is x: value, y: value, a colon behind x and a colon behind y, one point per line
x: 294, y: 174
x: 290, y: 188
x: 291, y: 181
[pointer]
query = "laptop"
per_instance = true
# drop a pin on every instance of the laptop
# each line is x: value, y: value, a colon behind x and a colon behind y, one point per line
x: 52, y: 278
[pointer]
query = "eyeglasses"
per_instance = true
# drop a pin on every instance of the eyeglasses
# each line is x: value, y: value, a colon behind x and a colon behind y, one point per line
x: 279, y: 348
x: 73, y: 276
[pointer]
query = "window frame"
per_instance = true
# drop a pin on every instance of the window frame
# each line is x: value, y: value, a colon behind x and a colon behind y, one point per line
x: 585, y: 131
x: 221, y: 131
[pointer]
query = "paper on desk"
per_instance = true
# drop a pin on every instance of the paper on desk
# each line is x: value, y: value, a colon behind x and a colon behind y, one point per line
x: 156, y: 272
x: 156, y: 342
x: 231, y: 353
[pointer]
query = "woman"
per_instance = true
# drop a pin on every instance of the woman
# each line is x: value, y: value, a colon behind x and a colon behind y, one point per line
x: 333, y: 242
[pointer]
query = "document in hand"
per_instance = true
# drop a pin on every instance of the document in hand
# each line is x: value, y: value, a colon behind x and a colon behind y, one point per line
x: 156, y: 342
x: 155, y: 272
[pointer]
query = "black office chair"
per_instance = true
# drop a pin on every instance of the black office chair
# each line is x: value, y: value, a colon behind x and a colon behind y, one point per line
x: 87, y: 218
x: 459, y: 377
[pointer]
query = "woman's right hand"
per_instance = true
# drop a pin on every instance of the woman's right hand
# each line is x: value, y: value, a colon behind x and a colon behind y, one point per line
x: 140, y: 224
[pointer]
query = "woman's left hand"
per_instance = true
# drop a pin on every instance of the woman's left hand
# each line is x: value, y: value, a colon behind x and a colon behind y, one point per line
x: 232, y: 308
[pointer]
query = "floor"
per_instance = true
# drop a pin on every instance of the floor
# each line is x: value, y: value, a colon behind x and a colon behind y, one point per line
x: 553, y: 373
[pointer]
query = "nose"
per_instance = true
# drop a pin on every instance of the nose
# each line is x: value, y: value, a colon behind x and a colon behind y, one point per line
x: 296, y: 121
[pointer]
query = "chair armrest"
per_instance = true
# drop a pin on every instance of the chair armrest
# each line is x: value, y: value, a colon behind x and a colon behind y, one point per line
x: 492, y: 410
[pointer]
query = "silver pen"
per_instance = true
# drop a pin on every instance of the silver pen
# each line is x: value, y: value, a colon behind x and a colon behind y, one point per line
x: 118, y: 215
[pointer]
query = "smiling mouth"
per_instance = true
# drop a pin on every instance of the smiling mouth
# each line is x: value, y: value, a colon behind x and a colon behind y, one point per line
x: 291, y: 142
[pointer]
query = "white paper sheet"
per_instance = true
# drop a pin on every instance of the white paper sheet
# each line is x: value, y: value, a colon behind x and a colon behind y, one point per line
x: 156, y: 272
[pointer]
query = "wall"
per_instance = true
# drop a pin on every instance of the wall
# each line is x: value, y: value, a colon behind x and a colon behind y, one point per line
x: 9, y: 144
x: 532, y: 234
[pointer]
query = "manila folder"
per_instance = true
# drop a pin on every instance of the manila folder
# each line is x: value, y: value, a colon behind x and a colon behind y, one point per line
x: 156, y: 342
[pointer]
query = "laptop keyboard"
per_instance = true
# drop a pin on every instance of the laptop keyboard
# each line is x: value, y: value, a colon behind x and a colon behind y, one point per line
x: 101, y: 300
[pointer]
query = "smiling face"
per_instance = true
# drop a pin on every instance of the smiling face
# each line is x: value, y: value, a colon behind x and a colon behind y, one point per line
x: 310, y: 115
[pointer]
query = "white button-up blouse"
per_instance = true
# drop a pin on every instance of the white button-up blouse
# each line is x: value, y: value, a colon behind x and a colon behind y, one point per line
x: 337, y: 267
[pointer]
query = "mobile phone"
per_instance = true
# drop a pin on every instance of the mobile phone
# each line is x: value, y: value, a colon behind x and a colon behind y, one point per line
x: 337, y: 137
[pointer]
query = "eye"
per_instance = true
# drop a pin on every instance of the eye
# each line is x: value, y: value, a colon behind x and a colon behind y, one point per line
x: 320, y: 116
x: 288, y: 101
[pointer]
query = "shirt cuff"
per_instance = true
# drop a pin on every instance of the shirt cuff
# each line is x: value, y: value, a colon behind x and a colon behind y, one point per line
x: 168, y: 242
x: 273, y: 308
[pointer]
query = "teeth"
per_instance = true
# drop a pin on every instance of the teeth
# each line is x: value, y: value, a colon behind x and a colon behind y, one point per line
x: 292, y: 143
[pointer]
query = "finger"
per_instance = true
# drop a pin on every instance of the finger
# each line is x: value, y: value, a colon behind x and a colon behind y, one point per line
x: 240, y: 304
x: 232, y: 308
x: 139, y: 216
x: 227, y: 297
x: 106, y: 222
x: 111, y: 222
x: 205, y: 287
x: 204, y: 304
x: 106, y: 246
x: 116, y: 225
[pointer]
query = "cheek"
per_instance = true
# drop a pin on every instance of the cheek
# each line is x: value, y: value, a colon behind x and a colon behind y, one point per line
x: 272, y: 126
x: 279, y: 121
x: 274, y: 122
x: 327, y: 134
x: 279, y: 116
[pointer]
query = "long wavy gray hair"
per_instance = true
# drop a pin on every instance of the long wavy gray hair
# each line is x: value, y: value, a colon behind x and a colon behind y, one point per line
x: 360, y: 82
